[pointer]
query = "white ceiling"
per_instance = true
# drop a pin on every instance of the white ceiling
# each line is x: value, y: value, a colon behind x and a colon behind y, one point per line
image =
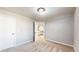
x: 50, y: 12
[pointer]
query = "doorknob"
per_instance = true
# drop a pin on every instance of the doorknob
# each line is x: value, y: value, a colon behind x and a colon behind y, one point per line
x: 13, y: 33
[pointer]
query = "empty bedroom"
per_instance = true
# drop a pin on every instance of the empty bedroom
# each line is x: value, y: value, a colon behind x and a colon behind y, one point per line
x: 39, y: 29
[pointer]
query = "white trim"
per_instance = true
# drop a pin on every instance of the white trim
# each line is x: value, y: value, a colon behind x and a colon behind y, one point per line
x: 75, y: 49
x: 23, y: 43
x: 5, y: 48
x: 61, y: 43
x: 17, y: 45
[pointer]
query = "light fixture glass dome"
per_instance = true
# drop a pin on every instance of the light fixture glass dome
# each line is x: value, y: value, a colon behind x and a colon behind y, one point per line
x: 41, y: 10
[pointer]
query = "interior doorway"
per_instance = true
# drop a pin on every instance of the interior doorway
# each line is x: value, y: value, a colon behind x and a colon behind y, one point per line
x: 39, y: 30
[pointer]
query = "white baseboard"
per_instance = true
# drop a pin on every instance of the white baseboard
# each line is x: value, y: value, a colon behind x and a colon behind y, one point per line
x: 61, y: 43
x: 23, y: 42
x: 76, y: 49
x: 5, y: 48
x: 16, y: 45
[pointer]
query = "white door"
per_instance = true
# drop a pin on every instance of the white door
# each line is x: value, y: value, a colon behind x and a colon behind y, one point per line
x: 7, y: 31
x: 12, y: 30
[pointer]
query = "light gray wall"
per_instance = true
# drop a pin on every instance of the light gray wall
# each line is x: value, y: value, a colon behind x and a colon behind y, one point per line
x: 24, y: 29
x: 60, y: 29
x: 14, y: 23
x: 76, y: 38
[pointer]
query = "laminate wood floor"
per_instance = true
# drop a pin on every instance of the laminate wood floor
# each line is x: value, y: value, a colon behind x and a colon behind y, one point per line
x: 40, y: 45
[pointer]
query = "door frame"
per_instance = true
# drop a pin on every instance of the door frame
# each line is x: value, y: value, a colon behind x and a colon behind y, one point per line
x: 33, y: 30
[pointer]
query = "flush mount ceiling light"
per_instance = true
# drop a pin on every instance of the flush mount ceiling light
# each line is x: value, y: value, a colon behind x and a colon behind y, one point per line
x: 41, y: 10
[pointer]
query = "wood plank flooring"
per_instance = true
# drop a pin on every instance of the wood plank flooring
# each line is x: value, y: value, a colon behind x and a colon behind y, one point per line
x: 40, y: 45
